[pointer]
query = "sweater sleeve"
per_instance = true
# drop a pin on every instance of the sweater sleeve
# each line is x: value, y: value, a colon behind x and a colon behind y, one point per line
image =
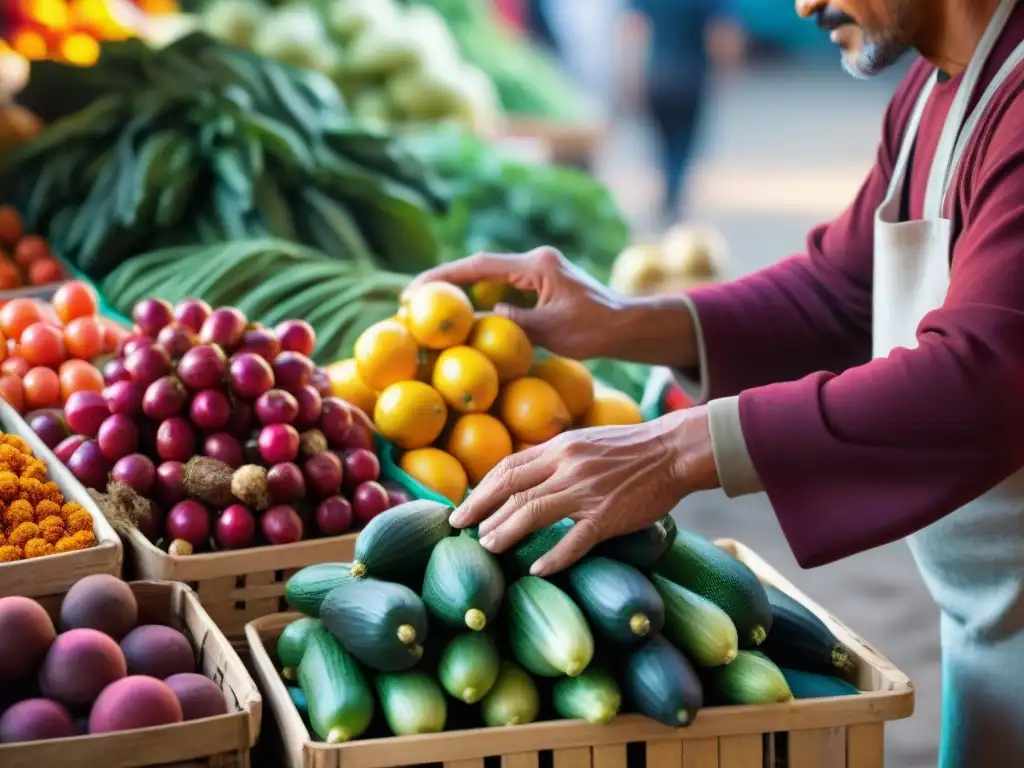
x: 806, y: 313
x: 855, y: 459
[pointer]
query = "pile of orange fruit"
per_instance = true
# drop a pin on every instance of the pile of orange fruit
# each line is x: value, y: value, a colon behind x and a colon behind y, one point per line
x: 48, y: 349
x: 24, y: 259
x: 71, y: 30
x: 458, y: 391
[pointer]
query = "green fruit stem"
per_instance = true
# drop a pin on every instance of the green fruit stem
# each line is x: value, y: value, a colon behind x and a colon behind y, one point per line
x: 476, y: 619
x: 639, y: 624
x: 406, y: 634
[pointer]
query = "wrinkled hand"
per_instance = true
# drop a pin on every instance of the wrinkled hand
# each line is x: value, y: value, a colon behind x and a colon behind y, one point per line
x: 570, y: 303
x: 610, y: 480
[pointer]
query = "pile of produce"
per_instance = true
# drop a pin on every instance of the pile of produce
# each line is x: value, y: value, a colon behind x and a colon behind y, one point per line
x: 35, y: 520
x: 24, y: 260
x: 686, y: 257
x: 529, y: 80
x: 458, y: 392
x: 101, y: 672
x: 439, y: 633
x: 201, y: 143
x: 269, y: 281
x: 47, y: 347
x: 393, y: 63
x: 213, y: 432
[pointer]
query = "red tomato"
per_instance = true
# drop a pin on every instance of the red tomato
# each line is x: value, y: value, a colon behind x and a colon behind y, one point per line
x: 43, y: 344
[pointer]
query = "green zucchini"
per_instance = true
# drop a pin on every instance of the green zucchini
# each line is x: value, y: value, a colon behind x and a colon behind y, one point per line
x: 696, y: 626
x: 643, y: 548
x: 702, y: 567
x: 308, y: 587
x: 292, y: 644
x: 512, y: 700
x: 463, y: 585
x: 662, y: 684
x: 413, y: 703
x: 808, y: 685
x: 800, y: 640
x: 622, y: 605
x: 535, y: 545
x: 299, y: 700
x: 340, y: 701
x: 594, y: 696
x: 398, y: 542
x: 751, y: 678
x: 381, y: 623
x: 469, y: 666
x: 548, y: 632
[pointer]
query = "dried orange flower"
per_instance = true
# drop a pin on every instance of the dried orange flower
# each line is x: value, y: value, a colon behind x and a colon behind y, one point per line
x: 38, y: 548
x: 52, y: 528
x: 19, y: 511
x: 79, y: 521
x: 70, y: 507
x: 47, y: 508
x: 25, y: 531
x: 52, y: 493
x: 10, y: 489
x: 14, y: 457
x: 17, y: 443
x: 9, y: 554
x: 35, y: 469
x: 85, y: 539
x: 66, y: 544
x: 31, y: 489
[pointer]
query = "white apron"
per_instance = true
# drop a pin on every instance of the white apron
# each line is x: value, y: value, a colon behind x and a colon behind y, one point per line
x: 972, y: 561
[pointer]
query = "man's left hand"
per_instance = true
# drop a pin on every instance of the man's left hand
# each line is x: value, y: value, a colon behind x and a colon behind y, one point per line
x: 610, y: 480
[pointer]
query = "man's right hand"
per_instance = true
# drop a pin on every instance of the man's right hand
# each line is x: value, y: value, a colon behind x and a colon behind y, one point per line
x: 575, y: 315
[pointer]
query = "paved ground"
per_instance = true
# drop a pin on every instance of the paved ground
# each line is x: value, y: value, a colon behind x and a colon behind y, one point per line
x: 786, y: 148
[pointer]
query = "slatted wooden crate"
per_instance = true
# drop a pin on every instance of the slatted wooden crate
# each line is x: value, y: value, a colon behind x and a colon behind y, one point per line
x: 213, y: 742
x: 54, y: 574
x: 839, y: 732
x: 238, y: 586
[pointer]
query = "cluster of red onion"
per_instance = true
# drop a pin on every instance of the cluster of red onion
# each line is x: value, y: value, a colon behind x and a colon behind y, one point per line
x: 195, y: 381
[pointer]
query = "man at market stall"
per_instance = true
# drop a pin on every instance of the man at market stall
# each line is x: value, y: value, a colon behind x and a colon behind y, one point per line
x: 873, y: 387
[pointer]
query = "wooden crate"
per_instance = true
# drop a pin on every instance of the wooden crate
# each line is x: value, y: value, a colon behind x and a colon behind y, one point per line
x: 222, y: 741
x: 237, y: 586
x: 55, y: 573
x: 838, y: 732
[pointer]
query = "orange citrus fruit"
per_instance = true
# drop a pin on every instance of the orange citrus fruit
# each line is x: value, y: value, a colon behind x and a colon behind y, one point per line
x: 486, y: 295
x: 612, y: 408
x: 571, y: 380
x: 479, y: 442
x: 505, y: 345
x: 385, y: 353
x: 439, y: 471
x: 439, y: 315
x: 410, y: 414
x: 532, y: 410
x: 346, y: 384
x: 466, y: 379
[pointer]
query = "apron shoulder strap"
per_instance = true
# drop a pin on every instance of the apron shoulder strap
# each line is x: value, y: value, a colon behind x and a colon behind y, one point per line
x: 1012, y: 63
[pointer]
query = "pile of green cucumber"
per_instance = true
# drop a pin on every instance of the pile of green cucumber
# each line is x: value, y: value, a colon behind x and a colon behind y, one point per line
x: 200, y: 143
x: 426, y: 631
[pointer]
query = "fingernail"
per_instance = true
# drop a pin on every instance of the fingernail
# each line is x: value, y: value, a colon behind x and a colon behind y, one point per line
x: 539, y: 568
x: 457, y: 518
x: 487, y: 541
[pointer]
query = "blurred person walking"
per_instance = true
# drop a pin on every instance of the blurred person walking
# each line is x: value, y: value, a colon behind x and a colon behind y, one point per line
x: 671, y: 37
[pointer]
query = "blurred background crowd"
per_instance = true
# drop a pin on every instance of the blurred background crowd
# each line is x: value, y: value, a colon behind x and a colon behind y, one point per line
x: 736, y: 115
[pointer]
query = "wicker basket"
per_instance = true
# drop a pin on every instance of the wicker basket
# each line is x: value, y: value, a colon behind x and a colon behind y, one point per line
x: 55, y: 573
x: 839, y: 732
x: 222, y: 741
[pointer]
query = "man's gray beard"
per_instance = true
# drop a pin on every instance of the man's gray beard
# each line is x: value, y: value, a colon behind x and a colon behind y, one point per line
x: 872, y: 59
